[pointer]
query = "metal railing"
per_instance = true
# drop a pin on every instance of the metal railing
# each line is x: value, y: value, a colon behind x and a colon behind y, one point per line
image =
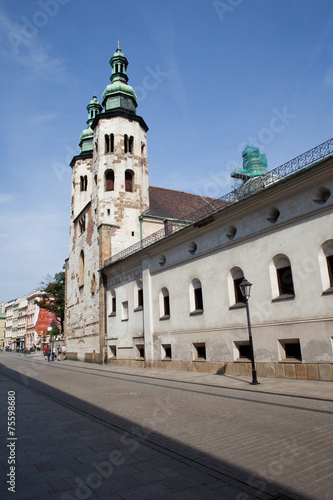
x: 252, y: 186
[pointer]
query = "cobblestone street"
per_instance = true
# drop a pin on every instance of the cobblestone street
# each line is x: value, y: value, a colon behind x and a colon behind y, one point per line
x: 86, y: 431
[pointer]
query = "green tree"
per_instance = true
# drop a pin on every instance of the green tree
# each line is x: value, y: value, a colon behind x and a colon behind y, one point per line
x: 53, y: 298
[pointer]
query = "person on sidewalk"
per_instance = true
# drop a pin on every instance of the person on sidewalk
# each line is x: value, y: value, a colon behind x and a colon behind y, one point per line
x: 59, y: 353
x: 63, y: 352
x: 45, y: 351
x: 48, y: 353
x: 53, y: 353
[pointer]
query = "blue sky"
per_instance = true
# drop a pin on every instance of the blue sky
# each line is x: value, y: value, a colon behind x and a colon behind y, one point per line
x: 211, y: 76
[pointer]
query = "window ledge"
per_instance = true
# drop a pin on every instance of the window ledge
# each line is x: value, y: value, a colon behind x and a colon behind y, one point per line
x: 166, y: 359
x: 290, y: 360
x: 242, y: 360
x: 199, y: 359
x: 286, y: 296
x: 238, y: 305
x: 112, y: 314
x: 163, y: 318
x: 126, y: 319
x: 329, y: 291
x: 139, y: 308
x: 197, y: 312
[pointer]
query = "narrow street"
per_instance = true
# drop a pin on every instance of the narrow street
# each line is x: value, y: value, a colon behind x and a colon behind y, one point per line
x: 158, y: 435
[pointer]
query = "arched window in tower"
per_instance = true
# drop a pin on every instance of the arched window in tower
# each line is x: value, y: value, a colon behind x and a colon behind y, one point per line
x: 107, y: 144
x: 112, y: 143
x: 83, y: 183
x: 131, y: 144
x: 109, y: 180
x: 129, y: 176
x: 81, y: 269
x: 125, y: 143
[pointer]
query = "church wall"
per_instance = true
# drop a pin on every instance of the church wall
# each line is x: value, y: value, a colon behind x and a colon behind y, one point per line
x: 82, y: 318
x: 299, y: 233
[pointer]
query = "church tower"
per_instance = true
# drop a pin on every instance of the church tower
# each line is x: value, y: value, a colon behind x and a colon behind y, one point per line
x: 110, y: 191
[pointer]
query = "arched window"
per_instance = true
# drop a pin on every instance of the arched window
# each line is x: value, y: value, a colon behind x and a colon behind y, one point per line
x: 138, y: 295
x: 164, y: 304
x: 125, y: 143
x: 112, y: 303
x: 131, y: 144
x: 81, y: 269
x: 129, y: 181
x: 326, y: 265
x: 83, y: 183
x: 284, y: 277
x: 196, y: 297
x: 107, y: 143
x: 82, y: 224
x: 236, y: 277
x: 109, y: 180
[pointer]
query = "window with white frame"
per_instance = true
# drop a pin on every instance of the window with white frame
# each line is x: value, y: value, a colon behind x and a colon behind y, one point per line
x: 283, y: 283
x: 138, y: 295
x: 235, y: 278
x: 326, y: 266
x: 164, y: 304
x: 124, y: 311
x: 196, y: 297
x: 112, y: 304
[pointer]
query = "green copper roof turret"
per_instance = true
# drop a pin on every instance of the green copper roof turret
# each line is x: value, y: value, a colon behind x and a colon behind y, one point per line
x: 86, y: 138
x: 119, y: 94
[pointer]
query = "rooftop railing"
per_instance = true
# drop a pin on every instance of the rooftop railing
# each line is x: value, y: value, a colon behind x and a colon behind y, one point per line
x: 252, y: 186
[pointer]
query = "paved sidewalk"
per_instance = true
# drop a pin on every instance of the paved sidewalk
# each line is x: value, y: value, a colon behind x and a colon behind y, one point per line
x: 289, y: 387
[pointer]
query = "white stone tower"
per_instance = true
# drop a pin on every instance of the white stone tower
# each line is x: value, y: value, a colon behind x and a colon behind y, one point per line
x: 110, y: 191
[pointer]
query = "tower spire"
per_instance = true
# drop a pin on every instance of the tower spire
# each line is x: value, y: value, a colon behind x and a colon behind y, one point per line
x: 119, y: 94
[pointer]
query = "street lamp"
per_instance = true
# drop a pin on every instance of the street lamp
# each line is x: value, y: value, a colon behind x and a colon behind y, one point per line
x: 245, y: 287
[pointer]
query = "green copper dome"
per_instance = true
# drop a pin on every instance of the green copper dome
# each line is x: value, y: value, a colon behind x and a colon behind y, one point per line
x: 118, y: 94
x: 118, y: 86
x: 87, y: 133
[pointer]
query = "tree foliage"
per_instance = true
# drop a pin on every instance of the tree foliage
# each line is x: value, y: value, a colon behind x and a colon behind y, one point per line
x: 53, y: 298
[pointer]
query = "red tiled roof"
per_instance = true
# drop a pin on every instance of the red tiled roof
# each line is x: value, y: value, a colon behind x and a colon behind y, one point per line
x: 173, y: 204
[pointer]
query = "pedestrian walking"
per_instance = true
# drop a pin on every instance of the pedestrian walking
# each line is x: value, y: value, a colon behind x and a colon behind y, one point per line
x: 59, y: 353
x: 45, y: 351
x: 48, y: 353
x: 53, y: 353
x: 63, y: 352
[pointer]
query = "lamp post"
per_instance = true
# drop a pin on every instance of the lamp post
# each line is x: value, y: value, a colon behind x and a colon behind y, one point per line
x: 245, y: 287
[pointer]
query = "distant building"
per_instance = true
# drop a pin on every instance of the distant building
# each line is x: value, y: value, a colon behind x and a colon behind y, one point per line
x: 3, y: 324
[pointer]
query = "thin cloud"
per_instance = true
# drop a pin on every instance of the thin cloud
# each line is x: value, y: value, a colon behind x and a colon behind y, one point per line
x: 4, y: 198
x: 28, y: 49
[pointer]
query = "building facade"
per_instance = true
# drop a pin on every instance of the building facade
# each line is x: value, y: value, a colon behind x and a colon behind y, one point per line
x: 153, y: 274
x: 3, y: 325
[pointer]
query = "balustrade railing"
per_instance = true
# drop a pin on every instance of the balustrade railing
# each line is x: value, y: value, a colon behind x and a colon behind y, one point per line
x: 252, y: 186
